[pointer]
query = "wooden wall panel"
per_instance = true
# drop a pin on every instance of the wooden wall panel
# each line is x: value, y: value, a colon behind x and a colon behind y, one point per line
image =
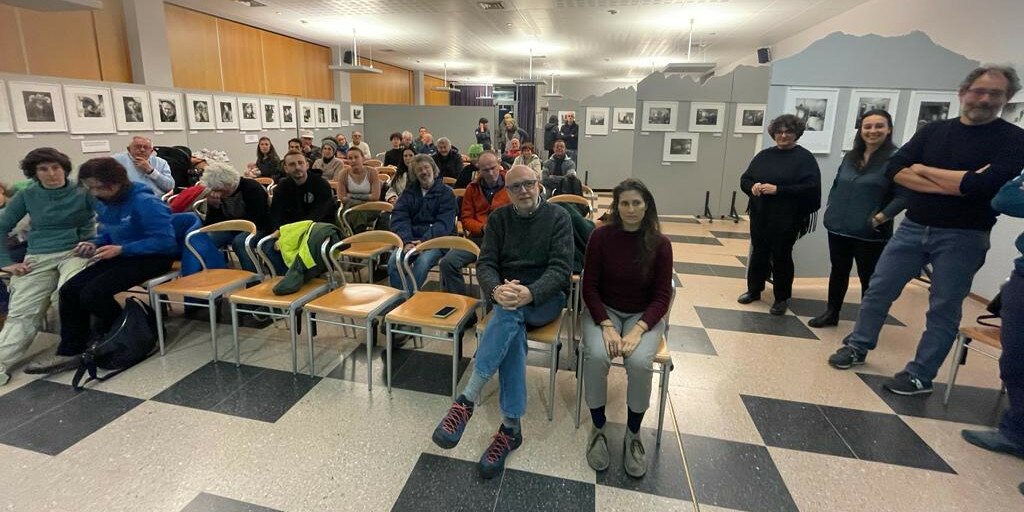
x: 434, y: 97
x: 319, y: 79
x: 241, y: 57
x: 285, y: 70
x: 12, y: 59
x: 193, y: 45
x: 394, y: 86
x: 60, y: 44
x: 112, y: 42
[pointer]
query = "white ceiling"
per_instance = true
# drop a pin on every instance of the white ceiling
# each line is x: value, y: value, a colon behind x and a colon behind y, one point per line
x: 578, y: 38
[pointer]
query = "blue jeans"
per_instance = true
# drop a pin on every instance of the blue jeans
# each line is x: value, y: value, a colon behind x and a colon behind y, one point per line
x: 237, y: 241
x: 1011, y: 363
x: 502, y: 349
x: 421, y: 266
x: 955, y: 255
x: 451, y: 266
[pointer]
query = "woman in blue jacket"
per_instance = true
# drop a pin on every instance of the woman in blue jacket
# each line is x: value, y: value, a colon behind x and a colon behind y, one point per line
x: 135, y: 243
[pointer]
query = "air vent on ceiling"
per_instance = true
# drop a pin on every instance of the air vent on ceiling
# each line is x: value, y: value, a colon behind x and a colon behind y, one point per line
x: 250, y: 3
x: 491, y: 6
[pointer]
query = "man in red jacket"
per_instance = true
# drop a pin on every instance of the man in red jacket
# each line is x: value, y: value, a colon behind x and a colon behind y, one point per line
x: 484, y: 195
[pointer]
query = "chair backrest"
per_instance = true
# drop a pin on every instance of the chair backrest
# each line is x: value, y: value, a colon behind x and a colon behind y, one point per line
x: 244, y: 226
x: 441, y: 242
x: 373, y: 162
x: 449, y: 181
x: 384, y: 177
x: 199, y: 208
x: 378, y: 207
x: 168, y: 195
x: 389, y: 170
x: 265, y: 181
x: 332, y: 255
x: 459, y: 192
x: 570, y: 198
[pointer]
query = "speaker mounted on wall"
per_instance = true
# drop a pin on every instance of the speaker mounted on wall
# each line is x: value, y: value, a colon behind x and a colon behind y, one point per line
x: 764, y: 55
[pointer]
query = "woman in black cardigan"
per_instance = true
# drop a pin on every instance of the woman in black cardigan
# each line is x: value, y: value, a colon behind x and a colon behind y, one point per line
x: 784, y: 185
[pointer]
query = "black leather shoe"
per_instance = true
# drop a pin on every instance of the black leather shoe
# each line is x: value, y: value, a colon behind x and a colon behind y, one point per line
x: 779, y: 308
x: 829, y: 317
x: 749, y: 297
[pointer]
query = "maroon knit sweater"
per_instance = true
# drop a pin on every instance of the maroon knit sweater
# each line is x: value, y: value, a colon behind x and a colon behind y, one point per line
x: 612, y: 276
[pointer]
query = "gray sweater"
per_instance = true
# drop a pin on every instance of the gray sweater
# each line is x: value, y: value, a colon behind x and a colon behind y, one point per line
x: 536, y: 249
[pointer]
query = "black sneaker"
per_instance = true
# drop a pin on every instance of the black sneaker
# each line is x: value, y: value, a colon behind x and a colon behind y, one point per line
x: 779, y: 308
x: 829, y: 318
x: 449, y: 431
x: 993, y: 440
x: 906, y: 384
x: 492, y: 462
x: 749, y: 297
x: 846, y: 357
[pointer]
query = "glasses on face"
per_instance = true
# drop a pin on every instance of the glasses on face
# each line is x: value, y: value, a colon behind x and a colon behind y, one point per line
x: 522, y: 186
x: 783, y: 132
x: 995, y: 94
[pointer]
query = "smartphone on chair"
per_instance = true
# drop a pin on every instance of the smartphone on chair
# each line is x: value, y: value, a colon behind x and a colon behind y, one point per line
x: 444, y: 312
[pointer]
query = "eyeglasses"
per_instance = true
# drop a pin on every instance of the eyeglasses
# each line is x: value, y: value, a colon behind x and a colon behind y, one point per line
x: 522, y: 186
x: 992, y: 93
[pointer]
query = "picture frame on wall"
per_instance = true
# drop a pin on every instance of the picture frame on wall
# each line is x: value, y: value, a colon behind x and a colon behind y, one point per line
x: 625, y: 118
x: 334, y: 115
x: 249, y: 114
x: 307, y: 114
x: 659, y: 116
x: 680, y: 147
x: 863, y: 100
x: 749, y: 118
x: 168, y: 110
x: 89, y: 109
x: 1012, y: 113
x: 289, y: 118
x: 6, y: 126
x: 270, y: 113
x: 131, y: 110
x: 226, y: 115
x: 597, y: 121
x: 321, y: 115
x: 37, y: 107
x: 707, y: 117
x: 817, y: 107
x: 928, y: 106
x: 200, y: 111
x: 356, y: 114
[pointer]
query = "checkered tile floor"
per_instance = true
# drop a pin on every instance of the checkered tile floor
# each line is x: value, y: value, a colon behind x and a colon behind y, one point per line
x: 755, y: 421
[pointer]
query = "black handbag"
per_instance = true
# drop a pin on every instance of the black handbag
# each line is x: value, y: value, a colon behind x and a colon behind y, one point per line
x: 993, y: 308
x: 130, y: 341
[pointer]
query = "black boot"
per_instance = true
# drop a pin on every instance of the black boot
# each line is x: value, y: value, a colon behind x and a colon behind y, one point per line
x: 829, y: 317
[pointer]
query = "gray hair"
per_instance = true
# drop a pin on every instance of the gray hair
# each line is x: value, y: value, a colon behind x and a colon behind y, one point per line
x: 406, y: 133
x: 220, y: 175
x: 1012, y: 78
x: 415, y: 164
x: 444, y: 140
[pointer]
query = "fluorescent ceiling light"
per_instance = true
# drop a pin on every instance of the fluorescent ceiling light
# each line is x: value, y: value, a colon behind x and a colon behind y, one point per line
x: 689, y: 67
x: 351, y: 68
x: 445, y: 87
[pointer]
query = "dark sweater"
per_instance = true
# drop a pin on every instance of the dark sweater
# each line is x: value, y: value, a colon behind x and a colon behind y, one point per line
x: 249, y: 202
x: 796, y: 175
x: 535, y: 249
x: 612, y: 276
x: 312, y: 200
x: 570, y: 134
x: 394, y: 156
x: 858, y: 194
x: 953, y: 145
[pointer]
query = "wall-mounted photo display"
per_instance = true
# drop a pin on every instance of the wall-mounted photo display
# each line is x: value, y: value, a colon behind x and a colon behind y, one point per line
x: 89, y: 109
x: 307, y: 114
x: 226, y: 115
x: 356, y: 114
x: 334, y: 115
x: 131, y: 110
x: 863, y: 100
x: 659, y: 116
x: 749, y: 118
x: 707, y: 117
x: 37, y: 107
x: 270, y: 110
x: 200, y: 111
x: 321, y: 115
x: 625, y: 118
x: 168, y: 110
x: 817, y: 108
x: 563, y: 117
x: 249, y: 114
x: 1012, y: 112
x: 288, y: 116
x: 597, y: 121
x: 928, y: 106
x: 5, y: 111
x: 680, y: 147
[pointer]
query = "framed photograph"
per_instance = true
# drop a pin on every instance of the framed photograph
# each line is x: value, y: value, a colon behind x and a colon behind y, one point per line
x: 356, y: 112
x: 1012, y: 112
x: 680, y: 147
x: 333, y: 115
x: 307, y: 114
x: 200, y: 108
x: 625, y: 118
x: 863, y: 100
x: 167, y: 110
x: 707, y: 117
x: 817, y: 107
x: 249, y: 118
x: 659, y: 116
x: 288, y: 117
x: 37, y: 107
x: 131, y: 110
x: 270, y: 111
x: 749, y: 118
x: 5, y: 111
x: 227, y: 112
x: 89, y: 109
x: 928, y: 106
x: 597, y: 121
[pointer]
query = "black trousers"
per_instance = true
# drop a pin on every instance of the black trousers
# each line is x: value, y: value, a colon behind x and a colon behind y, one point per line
x: 771, y: 254
x: 843, y: 251
x: 91, y: 294
x: 1011, y: 363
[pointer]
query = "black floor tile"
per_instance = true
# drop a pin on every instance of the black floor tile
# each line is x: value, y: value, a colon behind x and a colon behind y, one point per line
x: 443, y: 483
x: 754, y: 322
x: 735, y: 475
x: 679, y: 220
x: 665, y: 473
x: 884, y: 438
x: 58, y: 427
x: 529, y: 492
x: 703, y: 269
x: 353, y: 366
x: 736, y: 235
x: 744, y: 260
x: 683, y: 338
x: 31, y: 400
x: 699, y: 240
x: 814, y: 307
x: 209, y: 385
x: 411, y: 369
x: 795, y: 425
x: 212, y: 503
x: 967, y: 404
x: 675, y: 281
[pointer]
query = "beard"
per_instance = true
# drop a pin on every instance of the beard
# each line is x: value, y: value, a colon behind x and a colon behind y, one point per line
x: 980, y: 113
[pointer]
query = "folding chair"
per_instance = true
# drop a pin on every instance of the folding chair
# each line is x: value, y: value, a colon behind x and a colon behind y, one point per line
x: 363, y: 253
x: 987, y: 335
x: 373, y: 162
x: 574, y: 199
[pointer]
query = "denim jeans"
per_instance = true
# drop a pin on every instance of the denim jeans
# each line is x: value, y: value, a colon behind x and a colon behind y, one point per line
x: 1011, y: 363
x: 955, y: 255
x: 421, y: 266
x: 451, y: 266
x: 237, y: 241
x: 502, y: 349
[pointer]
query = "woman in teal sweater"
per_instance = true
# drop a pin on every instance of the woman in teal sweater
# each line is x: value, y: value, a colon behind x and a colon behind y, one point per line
x: 62, y: 217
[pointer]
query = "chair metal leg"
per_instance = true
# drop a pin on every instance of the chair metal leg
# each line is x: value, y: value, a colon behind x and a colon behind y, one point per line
x: 371, y: 341
x: 234, y: 334
x: 387, y: 350
x: 954, y: 366
x: 455, y: 362
x: 295, y: 341
x: 211, y: 306
x: 309, y: 336
x: 666, y: 370
x: 579, y: 383
x: 158, y: 308
x: 555, y: 347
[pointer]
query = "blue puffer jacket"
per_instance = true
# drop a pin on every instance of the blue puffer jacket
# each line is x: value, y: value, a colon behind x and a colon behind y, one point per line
x: 140, y: 223
x: 421, y: 217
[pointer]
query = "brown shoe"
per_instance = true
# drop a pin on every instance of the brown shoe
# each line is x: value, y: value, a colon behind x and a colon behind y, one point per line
x: 53, y: 364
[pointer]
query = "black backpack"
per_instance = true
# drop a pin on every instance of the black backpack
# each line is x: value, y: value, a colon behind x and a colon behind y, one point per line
x: 572, y: 185
x: 130, y: 341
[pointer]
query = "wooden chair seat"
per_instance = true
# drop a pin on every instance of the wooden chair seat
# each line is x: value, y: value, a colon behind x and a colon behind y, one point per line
x: 365, y: 250
x: 263, y: 293
x: 420, y: 308
x: 547, y: 333
x: 663, y: 356
x: 990, y: 336
x: 353, y: 300
x: 206, y: 283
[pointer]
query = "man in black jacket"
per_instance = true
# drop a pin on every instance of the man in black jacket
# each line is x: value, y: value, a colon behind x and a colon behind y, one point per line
x: 570, y: 134
x: 301, y: 196
x: 448, y: 159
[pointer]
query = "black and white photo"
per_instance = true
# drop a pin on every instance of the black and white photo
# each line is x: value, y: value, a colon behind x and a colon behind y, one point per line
x: 749, y: 118
x: 356, y: 114
x: 625, y: 118
x: 307, y: 115
x: 707, y: 117
x: 270, y: 111
x: 335, y: 116
x: 89, y: 109
x: 37, y: 107
x: 1014, y: 113
x: 288, y: 119
x: 928, y: 106
x: 817, y: 108
x: 597, y: 121
x: 131, y: 110
x: 932, y: 111
x: 90, y: 105
x: 250, y: 118
x: 321, y: 117
x: 812, y: 111
x: 167, y: 110
x: 248, y: 110
x: 201, y: 111
x: 227, y: 112
x: 863, y: 100
x: 659, y: 116
x: 680, y: 147
x: 199, y: 107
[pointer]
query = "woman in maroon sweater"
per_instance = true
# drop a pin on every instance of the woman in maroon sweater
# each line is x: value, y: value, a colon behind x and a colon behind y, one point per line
x: 627, y: 286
